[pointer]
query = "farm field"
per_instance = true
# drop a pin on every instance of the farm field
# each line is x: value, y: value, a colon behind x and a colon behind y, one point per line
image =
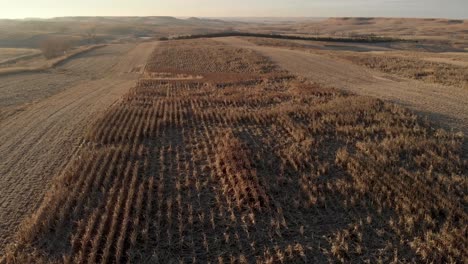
x: 11, y: 53
x: 21, y: 90
x: 436, y: 33
x: 219, y: 154
x: 43, y: 117
x: 440, y: 96
x: 419, y: 63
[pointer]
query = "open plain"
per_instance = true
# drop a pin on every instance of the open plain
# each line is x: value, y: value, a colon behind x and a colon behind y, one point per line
x: 219, y: 155
x: 236, y: 149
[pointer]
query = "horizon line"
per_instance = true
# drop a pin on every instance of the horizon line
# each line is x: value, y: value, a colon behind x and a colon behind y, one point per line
x: 242, y: 17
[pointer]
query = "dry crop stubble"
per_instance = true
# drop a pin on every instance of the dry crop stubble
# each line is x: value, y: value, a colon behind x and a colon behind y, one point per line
x: 430, y: 67
x: 414, y: 68
x: 252, y: 170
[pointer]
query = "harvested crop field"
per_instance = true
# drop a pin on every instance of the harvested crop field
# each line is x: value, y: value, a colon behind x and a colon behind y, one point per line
x: 419, y: 69
x: 245, y: 163
x: 441, y: 68
x: 8, y: 54
x: 43, y: 117
x: 444, y: 105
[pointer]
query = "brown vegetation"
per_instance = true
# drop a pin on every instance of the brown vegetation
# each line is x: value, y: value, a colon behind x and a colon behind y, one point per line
x: 352, y: 38
x: 291, y: 44
x: 444, y: 69
x: 55, y: 47
x: 449, y: 33
x: 274, y: 170
x: 206, y: 56
x: 434, y: 72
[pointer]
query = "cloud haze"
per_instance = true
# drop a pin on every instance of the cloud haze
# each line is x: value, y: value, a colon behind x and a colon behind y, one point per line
x: 239, y: 8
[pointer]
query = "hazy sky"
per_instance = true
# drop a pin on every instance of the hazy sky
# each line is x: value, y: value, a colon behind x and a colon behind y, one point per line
x: 236, y: 8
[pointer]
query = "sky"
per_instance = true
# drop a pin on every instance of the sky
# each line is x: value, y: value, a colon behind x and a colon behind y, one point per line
x: 236, y: 8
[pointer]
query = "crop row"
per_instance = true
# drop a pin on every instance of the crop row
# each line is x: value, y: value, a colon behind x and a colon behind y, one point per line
x: 280, y: 171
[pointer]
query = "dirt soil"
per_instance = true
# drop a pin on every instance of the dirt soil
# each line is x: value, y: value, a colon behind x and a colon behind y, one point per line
x: 44, y: 117
x: 444, y: 105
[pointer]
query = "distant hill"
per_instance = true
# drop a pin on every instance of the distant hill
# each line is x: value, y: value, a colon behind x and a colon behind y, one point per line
x: 149, y: 20
x: 394, y: 21
x: 29, y: 33
x: 414, y: 28
x: 410, y: 27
